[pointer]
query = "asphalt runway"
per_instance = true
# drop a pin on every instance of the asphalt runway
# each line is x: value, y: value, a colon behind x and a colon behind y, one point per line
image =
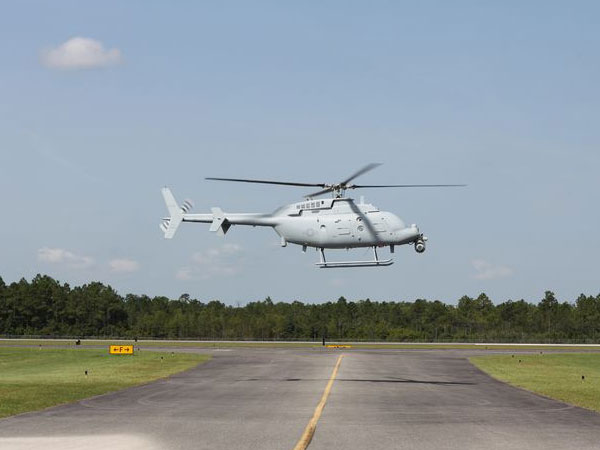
x: 263, y: 399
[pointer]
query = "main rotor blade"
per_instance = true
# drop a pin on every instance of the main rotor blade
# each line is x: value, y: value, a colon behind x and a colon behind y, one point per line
x: 360, y: 172
x: 283, y: 183
x: 365, y: 220
x: 361, y: 186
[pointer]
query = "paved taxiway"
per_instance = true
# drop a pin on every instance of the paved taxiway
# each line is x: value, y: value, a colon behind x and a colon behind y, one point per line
x: 263, y: 399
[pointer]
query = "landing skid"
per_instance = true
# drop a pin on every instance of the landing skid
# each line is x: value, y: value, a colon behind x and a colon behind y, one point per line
x: 324, y: 264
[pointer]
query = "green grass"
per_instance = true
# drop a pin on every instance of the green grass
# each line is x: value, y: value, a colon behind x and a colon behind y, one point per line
x: 270, y: 344
x: 33, y: 379
x: 553, y: 375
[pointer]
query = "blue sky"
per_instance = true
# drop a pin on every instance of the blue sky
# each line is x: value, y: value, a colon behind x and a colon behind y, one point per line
x: 500, y: 95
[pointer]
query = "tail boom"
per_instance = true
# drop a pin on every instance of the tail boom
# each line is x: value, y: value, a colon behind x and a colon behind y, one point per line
x: 219, y: 220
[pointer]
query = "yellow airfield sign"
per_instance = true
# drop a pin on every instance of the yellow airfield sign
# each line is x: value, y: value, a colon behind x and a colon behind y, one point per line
x: 120, y: 349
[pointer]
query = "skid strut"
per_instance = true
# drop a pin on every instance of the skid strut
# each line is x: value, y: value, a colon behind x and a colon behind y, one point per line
x: 376, y: 262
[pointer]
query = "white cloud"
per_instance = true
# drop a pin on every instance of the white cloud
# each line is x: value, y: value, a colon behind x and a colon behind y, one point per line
x: 80, y: 53
x: 64, y: 257
x: 123, y: 265
x: 185, y: 274
x: 213, y: 262
x: 216, y: 254
x: 488, y: 271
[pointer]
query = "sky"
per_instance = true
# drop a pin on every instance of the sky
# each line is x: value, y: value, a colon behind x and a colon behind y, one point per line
x: 103, y: 103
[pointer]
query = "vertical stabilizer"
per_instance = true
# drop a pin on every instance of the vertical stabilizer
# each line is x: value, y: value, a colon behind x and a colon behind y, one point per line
x: 170, y: 224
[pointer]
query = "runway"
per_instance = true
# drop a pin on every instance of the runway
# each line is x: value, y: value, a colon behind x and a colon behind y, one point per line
x: 263, y: 399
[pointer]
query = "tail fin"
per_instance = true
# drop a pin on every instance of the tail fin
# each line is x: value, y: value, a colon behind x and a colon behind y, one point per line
x: 170, y: 224
x: 219, y: 224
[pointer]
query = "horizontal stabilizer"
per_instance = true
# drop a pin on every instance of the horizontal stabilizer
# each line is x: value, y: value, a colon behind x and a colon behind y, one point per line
x: 220, y: 225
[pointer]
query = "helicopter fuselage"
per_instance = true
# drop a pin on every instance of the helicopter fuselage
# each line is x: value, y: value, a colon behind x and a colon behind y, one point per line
x: 340, y: 223
x: 332, y: 223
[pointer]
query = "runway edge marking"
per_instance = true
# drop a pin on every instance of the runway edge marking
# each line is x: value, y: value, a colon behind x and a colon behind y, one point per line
x: 309, y: 431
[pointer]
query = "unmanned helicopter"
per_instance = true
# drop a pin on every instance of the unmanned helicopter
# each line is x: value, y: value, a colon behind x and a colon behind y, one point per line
x: 332, y: 223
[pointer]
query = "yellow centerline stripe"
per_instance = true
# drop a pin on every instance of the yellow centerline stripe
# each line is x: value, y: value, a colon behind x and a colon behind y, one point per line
x: 309, y: 431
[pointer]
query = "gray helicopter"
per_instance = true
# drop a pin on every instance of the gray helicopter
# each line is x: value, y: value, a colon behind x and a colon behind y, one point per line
x: 333, y: 223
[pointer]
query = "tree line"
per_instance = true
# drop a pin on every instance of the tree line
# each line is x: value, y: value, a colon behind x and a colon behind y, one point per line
x: 45, y: 307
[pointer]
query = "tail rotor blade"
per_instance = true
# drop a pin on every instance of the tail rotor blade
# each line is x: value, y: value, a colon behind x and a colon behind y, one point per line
x: 186, y: 206
x: 164, y: 226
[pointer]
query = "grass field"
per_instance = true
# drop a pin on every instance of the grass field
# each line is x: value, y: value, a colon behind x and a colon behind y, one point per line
x: 554, y: 375
x: 32, y: 378
x: 89, y: 343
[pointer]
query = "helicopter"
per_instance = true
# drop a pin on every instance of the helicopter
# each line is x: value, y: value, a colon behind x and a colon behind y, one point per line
x: 337, y: 222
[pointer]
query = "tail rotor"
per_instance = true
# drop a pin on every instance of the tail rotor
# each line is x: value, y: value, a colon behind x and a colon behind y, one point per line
x: 186, y: 206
